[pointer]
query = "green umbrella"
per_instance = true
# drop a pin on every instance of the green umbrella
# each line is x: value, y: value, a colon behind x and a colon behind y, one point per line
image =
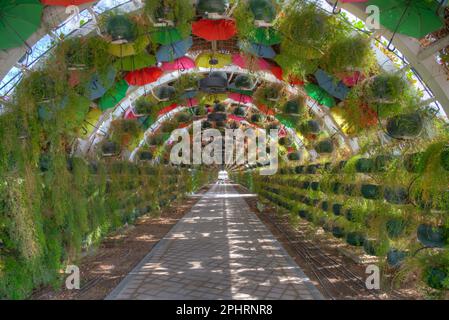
x: 321, y: 96
x: 166, y: 35
x: 136, y: 62
x: 266, y: 36
x: 413, y: 18
x: 114, y: 95
x: 19, y: 19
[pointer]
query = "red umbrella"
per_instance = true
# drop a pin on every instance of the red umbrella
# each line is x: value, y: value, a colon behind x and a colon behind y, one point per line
x: 277, y: 72
x: 167, y: 109
x: 143, y: 76
x: 211, y: 30
x: 65, y: 3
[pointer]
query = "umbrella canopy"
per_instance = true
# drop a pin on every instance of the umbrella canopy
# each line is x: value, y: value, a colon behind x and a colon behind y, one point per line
x: 250, y: 62
x: 351, y: 79
x: 191, y: 102
x: 266, y: 36
x: 166, y: 35
x: 258, y: 50
x: 98, y: 85
x: 262, y: 10
x: 129, y: 114
x: 90, y: 122
x: 19, y: 19
x: 240, y: 98
x: 331, y: 85
x: 65, y: 3
x: 321, y: 96
x: 114, y: 95
x: 213, y: 60
x: 213, y: 98
x: 143, y: 76
x: 189, y: 94
x: 173, y: 51
x: 121, y: 28
x: 415, y: 18
x: 183, y: 63
x: 211, y: 30
x: 211, y: 6
x: 136, y: 62
x: 129, y: 49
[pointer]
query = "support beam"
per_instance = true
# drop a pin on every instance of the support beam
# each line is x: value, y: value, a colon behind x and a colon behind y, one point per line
x: 433, y: 48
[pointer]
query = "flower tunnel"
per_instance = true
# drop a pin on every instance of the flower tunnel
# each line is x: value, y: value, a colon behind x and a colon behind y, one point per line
x: 88, y: 127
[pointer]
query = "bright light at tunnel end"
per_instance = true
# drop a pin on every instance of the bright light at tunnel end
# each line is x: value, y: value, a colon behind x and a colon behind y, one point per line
x: 241, y: 147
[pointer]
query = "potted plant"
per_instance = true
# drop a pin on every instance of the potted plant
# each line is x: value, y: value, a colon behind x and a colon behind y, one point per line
x: 324, y: 146
x: 268, y: 94
x: 364, y: 165
x: 433, y: 236
x: 186, y: 83
x: 396, y: 195
x: 355, y: 238
x: 309, y: 127
x: 145, y: 155
x: 437, y: 277
x: 413, y: 162
x: 337, y: 209
x: 239, y: 111
x: 405, y: 125
x: 370, y: 191
x: 396, y: 257
x: 376, y: 247
x: 385, y: 88
x: 396, y: 227
x: 110, y: 149
x: 143, y: 106
x: 177, y: 13
x: 294, y: 156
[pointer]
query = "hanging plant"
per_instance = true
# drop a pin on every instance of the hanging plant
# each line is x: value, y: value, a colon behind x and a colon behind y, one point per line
x: 180, y: 12
x: 143, y: 105
x: 244, y: 20
x: 268, y: 94
x: 405, y: 126
x: 186, y: 82
x: 110, y: 148
x: 124, y: 131
x: 385, y: 88
x: 324, y: 146
x: 349, y: 54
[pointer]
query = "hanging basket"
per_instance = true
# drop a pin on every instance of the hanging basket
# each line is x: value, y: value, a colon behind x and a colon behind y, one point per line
x: 370, y: 191
x: 406, y: 126
x: 325, y: 146
x: 364, y: 165
x: 434, y: 237
x: 396, y: 257
x: 395, y: 227
x: 355, y: 239
x: 396, y: 195
x: 374, y: 247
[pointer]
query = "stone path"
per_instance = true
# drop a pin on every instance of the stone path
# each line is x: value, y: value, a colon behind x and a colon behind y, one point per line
x: 219, y: 250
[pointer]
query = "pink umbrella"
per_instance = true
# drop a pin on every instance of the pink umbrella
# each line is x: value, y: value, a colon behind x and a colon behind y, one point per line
x: 235, y: 118
x: 245, y: 62
x: 240, y: 98
x: 191, y: 102
x: 351, y: 79
x: 129, y: 114
x: 183, y: 63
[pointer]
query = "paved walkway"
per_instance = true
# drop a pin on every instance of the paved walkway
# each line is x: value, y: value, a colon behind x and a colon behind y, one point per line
x: 219, y: 250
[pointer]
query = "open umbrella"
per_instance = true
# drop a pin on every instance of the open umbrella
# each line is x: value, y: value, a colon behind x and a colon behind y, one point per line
x: 97, y: 86
x: 212, y: 30
x: 135, y: 62
x: 183, y: 63
x: 258, y: 50
x: 331, y: 85
x: 19, y: 19
x: 319, y: 95
x: 90, y: 122
x: 250, y: 62
x: 129, y: 49
x: 415, y: 18
x: 143, y: 76
x: 65, y: 3
x: 191, y: 102
x: 213, y: 98
x: 213, y: 60
x: 166, y: 35
x: 173, y: 51
x: 262, y: 10
x: 241, y: 98
x: 113, y: 96
x: 190, y: 94
x: 266, y: 36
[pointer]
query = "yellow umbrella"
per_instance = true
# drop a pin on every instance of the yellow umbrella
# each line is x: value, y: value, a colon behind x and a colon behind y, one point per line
x: 213, y: 60
x: 90, y: 122
x: 212, y: 98
x: 129, y: 49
